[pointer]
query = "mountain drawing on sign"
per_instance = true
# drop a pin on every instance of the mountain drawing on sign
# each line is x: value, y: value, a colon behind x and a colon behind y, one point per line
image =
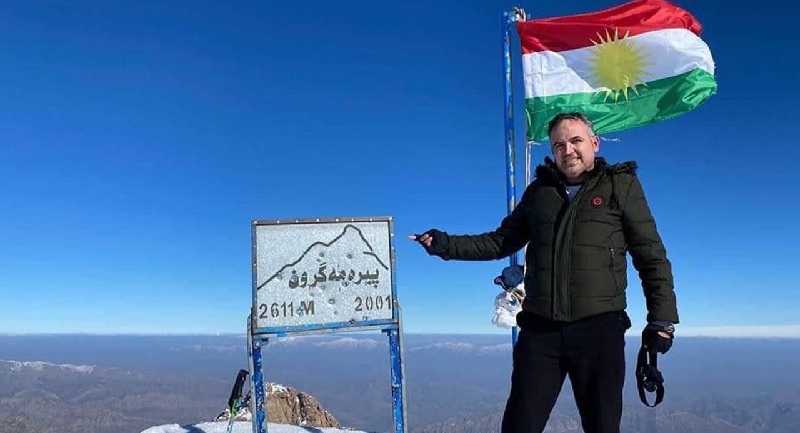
x: 348, y: 259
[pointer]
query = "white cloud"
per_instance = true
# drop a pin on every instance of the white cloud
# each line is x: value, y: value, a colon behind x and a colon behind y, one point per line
x: 769, y: 331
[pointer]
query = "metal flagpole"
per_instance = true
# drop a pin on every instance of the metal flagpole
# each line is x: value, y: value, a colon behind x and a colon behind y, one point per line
x: 509, y: 20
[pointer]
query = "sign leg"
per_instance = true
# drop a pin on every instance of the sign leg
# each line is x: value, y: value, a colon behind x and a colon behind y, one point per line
x: 259, y: 416
x: 398, y: 390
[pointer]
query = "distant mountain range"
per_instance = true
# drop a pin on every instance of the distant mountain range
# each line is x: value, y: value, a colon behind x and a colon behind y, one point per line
x: 51, y: 398
x: 707, y: 416
x: 453, y: 383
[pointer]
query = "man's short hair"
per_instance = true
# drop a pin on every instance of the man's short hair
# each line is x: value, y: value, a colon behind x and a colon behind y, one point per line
x: 574, y: 115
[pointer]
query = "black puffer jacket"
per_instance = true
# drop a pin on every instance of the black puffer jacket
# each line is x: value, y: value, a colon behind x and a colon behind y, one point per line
x: 576, y: 258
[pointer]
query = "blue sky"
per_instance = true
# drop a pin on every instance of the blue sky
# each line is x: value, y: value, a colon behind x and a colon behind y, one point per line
x: 139, y: 140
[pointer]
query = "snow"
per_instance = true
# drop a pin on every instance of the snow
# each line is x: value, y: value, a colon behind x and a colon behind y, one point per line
x: 506, y: 306
x: 456, y: 346
x: 351, y: 263
x: 208, y: 348
x: 40, y: 366
x: 350, y: 343
x: 287, y: 340
x: 275, y: 388
x: 496, y: 348
x: 241, y: 427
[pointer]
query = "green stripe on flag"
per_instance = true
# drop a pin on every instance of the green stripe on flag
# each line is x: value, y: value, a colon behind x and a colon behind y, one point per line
x: 659, y: 100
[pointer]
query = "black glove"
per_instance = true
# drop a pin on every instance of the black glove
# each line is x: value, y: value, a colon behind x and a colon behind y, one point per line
x: 440, y: 243
x: 511, y: 277
x: 652, y: 340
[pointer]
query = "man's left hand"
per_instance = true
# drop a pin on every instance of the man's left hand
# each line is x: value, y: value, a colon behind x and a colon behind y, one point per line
x: 658, y: 337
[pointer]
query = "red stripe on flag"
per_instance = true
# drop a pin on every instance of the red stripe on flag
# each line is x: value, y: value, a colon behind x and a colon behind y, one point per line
x: 578, y: 31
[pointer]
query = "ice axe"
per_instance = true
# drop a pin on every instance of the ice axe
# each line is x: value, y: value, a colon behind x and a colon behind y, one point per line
x: 236, y: 395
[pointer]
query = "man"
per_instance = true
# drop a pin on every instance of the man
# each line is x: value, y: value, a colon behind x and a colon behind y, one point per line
x: 579, y: 217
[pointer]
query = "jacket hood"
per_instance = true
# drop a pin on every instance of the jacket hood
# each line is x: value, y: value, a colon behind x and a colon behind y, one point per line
x: 549, y: 170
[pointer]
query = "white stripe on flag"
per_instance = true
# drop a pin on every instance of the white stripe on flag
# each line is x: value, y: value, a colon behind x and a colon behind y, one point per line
x: 671, y: 52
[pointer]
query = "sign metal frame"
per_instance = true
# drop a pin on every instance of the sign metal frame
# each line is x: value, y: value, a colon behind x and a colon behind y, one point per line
x: 260, y: 336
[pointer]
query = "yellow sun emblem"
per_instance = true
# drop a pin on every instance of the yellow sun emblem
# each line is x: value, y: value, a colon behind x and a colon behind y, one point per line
x: 617, y: 65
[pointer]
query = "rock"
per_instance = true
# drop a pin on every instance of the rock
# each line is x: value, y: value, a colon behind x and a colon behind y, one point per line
x: 287, y: 405
x: 290, y: 406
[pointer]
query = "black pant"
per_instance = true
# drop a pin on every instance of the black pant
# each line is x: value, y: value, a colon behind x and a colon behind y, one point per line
x: 590, y: 351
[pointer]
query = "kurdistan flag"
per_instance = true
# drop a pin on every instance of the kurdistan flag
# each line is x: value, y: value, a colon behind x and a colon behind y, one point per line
x: 627, y: 66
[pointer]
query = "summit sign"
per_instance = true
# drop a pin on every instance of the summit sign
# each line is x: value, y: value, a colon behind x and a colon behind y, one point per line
x: 317, y: 274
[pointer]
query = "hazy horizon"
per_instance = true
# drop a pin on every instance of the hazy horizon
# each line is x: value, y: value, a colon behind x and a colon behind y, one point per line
x: 447, y: 377
x: 732, y: 332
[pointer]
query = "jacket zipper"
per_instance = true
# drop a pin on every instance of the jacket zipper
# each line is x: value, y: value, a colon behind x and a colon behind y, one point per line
x: 611, y: 267
x: 561, y: 262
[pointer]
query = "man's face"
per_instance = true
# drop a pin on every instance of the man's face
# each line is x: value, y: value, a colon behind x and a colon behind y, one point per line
x: 574, y: 148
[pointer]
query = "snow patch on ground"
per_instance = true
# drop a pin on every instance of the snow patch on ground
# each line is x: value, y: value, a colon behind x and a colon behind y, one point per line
x: 240, y: 427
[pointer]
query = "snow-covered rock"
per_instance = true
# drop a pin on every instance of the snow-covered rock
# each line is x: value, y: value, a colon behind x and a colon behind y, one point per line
x: 286, y: 405
x: 239, y: 427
